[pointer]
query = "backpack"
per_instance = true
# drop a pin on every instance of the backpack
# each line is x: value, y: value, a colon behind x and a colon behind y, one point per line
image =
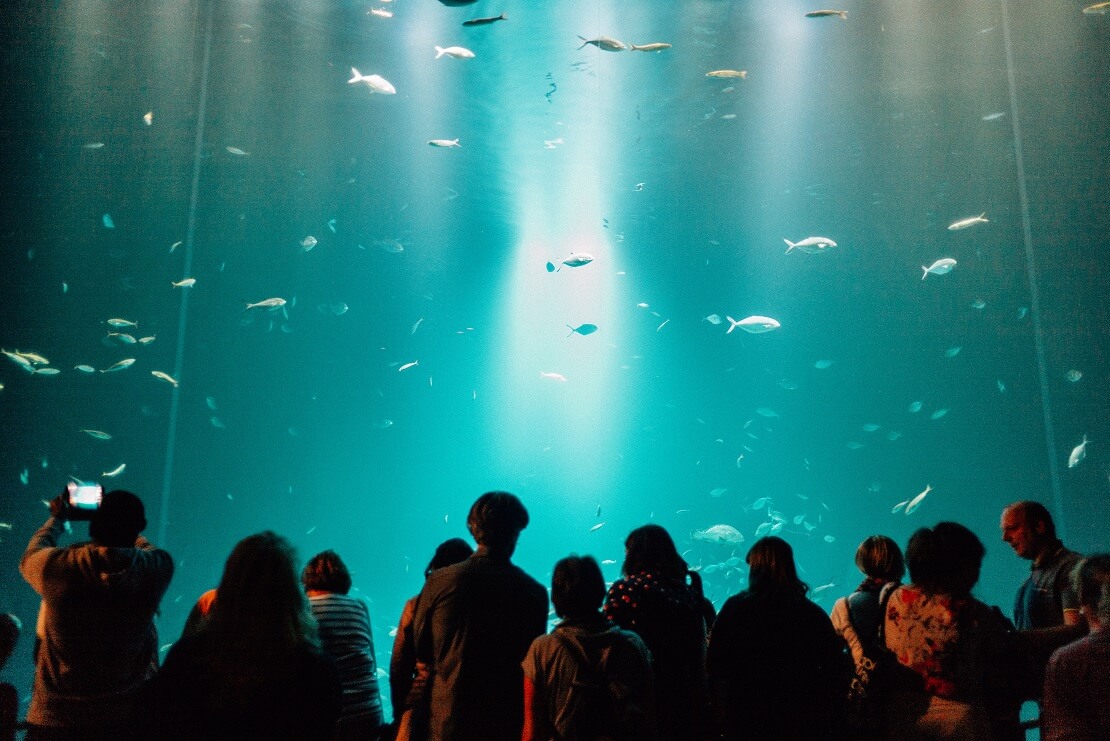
x: 866, y: 693
x: 598, y: 708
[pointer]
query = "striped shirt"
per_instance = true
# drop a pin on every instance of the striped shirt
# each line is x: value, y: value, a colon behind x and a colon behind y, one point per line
x: 345, y: 636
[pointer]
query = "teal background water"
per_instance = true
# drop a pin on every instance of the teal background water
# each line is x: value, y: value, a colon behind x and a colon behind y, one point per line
x: 871, y: 131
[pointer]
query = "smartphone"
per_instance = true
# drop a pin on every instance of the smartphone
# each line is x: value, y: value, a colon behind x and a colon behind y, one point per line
x: 85, y: 498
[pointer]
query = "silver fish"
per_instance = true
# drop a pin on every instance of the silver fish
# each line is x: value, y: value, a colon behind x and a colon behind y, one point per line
x: 125, y: 363
x: 604, y: 43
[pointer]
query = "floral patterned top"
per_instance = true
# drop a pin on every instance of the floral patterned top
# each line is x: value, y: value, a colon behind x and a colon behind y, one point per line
x: 950, y: 642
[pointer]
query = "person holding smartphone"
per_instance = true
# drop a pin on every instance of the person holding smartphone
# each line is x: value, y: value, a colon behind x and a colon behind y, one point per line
x: 97, y: 641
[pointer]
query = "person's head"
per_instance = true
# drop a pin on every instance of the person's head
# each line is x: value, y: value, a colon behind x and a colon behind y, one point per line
x: 577, y: 587
x: 259, y: 600
x: 9, y: 634
x: 455, y: 550
x: 945, y: 559
x: 118, y: 520
x: 326, y: 572
x: 1028, y: 528
x: 650, y: 549
x: 1091, y: 579
x: 496, y: 519
x: 772, y: 570
x: 879, y: 557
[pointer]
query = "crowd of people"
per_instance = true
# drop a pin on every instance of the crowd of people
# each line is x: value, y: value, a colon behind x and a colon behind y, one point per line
x: 280, y: 653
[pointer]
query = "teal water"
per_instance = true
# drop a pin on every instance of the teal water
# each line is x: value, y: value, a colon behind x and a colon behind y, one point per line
x: 876, y: 132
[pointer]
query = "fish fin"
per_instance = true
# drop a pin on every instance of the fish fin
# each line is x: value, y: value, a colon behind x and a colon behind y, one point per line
x: 503, y: 17
x: 357, y: 76
x: 584, y: 42
x: 843, y: 14
x: 439, y: 52
x: 926, y: 272
x: 789, y: 245
x: 983, y: 216
x: 734, y: 324
x: 571, y: 330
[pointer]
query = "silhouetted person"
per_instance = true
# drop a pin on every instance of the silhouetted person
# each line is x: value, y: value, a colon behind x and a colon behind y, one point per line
x: 1077, y: 682
x: 654, y: 601
x: 1046, y: 610
x: 98, y: 644
x: 954, y: 653
x: 9, y: 698
x: 408, y: 678
x: 587, y: 679
x: 345, y: 635
x: 474, y: 622
x: 776, y: 665
x: 253, y: 669
x: 857, y: 618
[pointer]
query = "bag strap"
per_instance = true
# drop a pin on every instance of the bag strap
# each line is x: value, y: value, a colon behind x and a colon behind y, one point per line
x: 578, y: 651
x: 884, y: 597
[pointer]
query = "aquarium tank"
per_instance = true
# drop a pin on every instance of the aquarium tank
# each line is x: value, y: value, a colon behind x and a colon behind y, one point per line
x: 335, y: 268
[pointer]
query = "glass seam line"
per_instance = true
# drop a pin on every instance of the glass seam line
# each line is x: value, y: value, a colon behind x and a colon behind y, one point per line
x: 190, y: 234
x: 1031, y: 271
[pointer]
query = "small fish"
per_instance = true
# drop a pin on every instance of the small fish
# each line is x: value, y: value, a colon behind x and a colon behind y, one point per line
x: 237, y: 152
x: 953, y: 351
x: 392, y: 246
x: 380, y: 12
x: 713, y: 319
x: 107, y: 221
x: 822, y: 364
x: 665, y: 323
x: 753, y: 324
x: 148, y: 118
x: 146, y: 340
x: 165, y: 377
x: 175, y: 245
x: 916, y: 501
x: 970, y: 221
x: 898, y: 507
x: 187, y: 283
x: 940, y: 267
x: 766, y: 412
x: 47, y: 371
x: 97, y: 434
x: 829, y: 539
x: 1001, y: 386
x: 458, y: 52
x: 445, y: 143
x: 597, y: 527
x: 810, y: 245
x: 21, y: 361
x: 1078, y: 453
x: 654, y: 46
x: 331, y: 225
x: 582, y: 329
x: 1073, y: 376
x: 383, y: 424
x: 416, y: 326
x: 554, y: 376
x: 1023, y: 311
x: 308, y: 243
x: 854, y: 445
x: 604, y: 43
x: 938, y: 414
x: 125, y: 363
x: 979, y: 304
x: 871, y: 427
x: 217, y: 423
x: 742, y: 74
x: 406, y: 366
x: 827, y: 13
x: 376, y: 83
x: 719, y: 492
x: 34, y: 358
x: 270, y: 303
x: 993, y: 117
x: 485, y: 21
x: 761, y: 503
x: 1097, y: 9
x: 115, y: 471
x: 915, y: 407
x: 85, y: 368
x: 93, y: 145
x: 25, y: 477
x: 122, y: 323
x: 123, y: 337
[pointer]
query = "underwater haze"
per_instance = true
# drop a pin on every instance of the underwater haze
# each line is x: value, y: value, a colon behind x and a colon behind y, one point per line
x: 529, y: 268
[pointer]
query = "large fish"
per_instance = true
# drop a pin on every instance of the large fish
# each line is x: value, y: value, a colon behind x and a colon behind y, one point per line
x: 719, y: 534
x: 754, y: 324
x: 810, y: 245
x: 376, y: 83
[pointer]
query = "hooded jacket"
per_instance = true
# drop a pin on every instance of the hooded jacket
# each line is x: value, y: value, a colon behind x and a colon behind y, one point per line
x: 98, y: 644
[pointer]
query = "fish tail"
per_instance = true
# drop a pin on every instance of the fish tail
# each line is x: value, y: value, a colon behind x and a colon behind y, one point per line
x: 357, y: 76
x: 926, y: 272
x: 983, y: 216
x: 503, y: 17
x: 572, y: 332
x: 584, y: 42
x: 439, y: 52
x: 789, y: 245
x: 843, y: 14
x: 734, y: 324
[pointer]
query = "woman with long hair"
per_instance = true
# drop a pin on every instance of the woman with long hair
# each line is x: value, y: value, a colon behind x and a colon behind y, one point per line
x: 655, y: 601
x: 775, y: 663
x: 254, y: 668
